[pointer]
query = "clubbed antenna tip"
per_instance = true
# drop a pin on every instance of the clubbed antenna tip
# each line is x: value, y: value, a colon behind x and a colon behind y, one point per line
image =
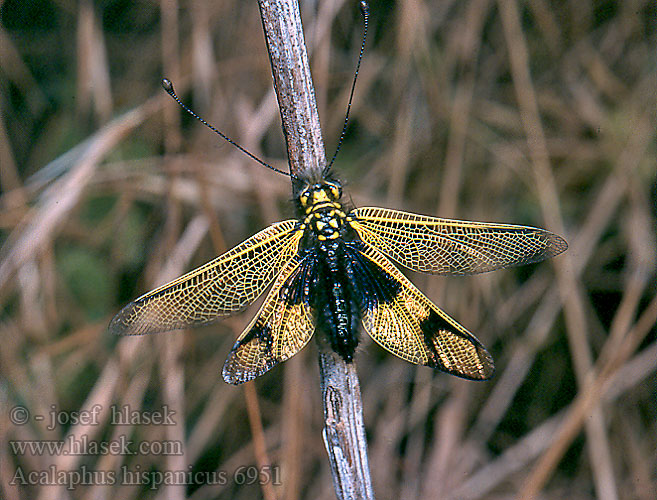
x: 168, y: 87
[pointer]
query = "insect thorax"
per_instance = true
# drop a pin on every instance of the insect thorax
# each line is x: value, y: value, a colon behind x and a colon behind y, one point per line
x: 321, y: 211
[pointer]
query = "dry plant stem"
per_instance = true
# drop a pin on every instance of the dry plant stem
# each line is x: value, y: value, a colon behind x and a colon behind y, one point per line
x: 171, y: 346
x: 571, y: 294
x: 250, y: 395
x: 344, y: 434
x: 281, y: 22
x: 344, y: 431
x: 541, y: 438
x: 52, y: 207
x: 259, y: 448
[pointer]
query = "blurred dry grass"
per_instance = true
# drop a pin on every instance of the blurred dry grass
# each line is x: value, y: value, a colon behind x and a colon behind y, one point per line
x: 534, y: 112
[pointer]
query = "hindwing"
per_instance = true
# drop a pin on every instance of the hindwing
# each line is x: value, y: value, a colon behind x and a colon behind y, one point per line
x: 444, y: 246
x: 283, y: 325
x: 411, y: 327
x: 223, y: 286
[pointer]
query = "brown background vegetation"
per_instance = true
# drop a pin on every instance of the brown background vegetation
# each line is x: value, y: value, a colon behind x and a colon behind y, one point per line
x: 536, y: 112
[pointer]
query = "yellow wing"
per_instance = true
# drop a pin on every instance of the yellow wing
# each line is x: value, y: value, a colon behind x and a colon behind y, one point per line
x: 221, y: 287
x: 444, y: 246
x: 411, y: 327
x: 281, y: 328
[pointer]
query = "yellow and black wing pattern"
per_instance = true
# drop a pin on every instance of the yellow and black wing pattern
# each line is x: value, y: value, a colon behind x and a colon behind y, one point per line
x: 332, y: 271
x: 283, y: 325
x: 444, y: 246
x: 222, y: 287
x: 410, y: 326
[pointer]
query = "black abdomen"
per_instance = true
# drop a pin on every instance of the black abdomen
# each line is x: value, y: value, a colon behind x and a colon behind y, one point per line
x: 339, y: 284
x: 337, y: 306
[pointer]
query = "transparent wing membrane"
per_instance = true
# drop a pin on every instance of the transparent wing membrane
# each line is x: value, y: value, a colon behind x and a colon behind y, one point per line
x: 412, y: 328
x: 280, y: 329
x: 444, y: 246
x: 223, y: 286
x: 394, y: 312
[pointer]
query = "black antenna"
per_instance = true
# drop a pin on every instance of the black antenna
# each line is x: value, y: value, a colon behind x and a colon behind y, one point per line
x: 168, y: 86
x: 365, y: 11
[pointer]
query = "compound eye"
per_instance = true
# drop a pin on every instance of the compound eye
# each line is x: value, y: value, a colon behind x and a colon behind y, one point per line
x: 336, y: 190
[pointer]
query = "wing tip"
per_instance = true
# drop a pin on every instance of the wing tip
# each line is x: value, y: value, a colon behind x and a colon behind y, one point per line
x: 487, y: 369
x: 133, y: 319
x: 483, y: 372
x: 556, y: 245
x: 121, y: 324
x: 238, y: 368
x: 236, y: 377
x: 235, y: 372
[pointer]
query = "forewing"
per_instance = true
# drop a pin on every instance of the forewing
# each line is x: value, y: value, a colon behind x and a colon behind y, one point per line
x: 411, y: 327
x: 281, y: 328
x: 444, y: 246
x: 221, y: 287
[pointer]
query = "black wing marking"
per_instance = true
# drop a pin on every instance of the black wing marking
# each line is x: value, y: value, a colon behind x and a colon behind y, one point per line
x: 281, y: 328
x: 411, y: 327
